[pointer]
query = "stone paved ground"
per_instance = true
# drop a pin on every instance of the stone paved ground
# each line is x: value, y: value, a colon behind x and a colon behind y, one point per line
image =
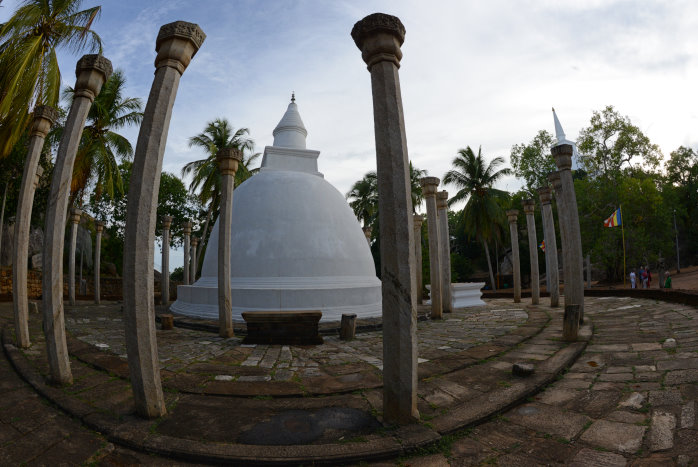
x: 629, y: 400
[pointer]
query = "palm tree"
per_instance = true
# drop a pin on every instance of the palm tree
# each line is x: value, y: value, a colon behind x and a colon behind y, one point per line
x: 96, y: 160
x: 364, y: 193
x: 29, y: 73
x: 218, y: 134
x: 474, y: 178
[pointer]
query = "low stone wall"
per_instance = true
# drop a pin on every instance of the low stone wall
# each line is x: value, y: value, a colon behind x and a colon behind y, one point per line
x: 110, y: 287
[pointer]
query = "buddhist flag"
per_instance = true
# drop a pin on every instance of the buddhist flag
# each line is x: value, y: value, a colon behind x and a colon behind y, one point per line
x: 615, y: 219
x: 542, y: 246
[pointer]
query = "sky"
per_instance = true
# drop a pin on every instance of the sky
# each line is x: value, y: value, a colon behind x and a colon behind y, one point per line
x: 473, y: 73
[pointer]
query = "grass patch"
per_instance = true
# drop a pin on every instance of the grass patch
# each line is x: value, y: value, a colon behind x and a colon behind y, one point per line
x: 504, y: 384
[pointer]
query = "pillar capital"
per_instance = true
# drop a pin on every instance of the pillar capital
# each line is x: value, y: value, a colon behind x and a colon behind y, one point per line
x: 44, y: 117
x: 91, y: 71
x: 442, y: 199
x: 429, y: 186
x: 228, y: 159
x: 194, y: 241
x: 555, y: 181
x: 379, y: 37
x: 512, y: 215
x: 418, y: 219
x: 99, y: 226
x: 529, y: 205
x: 367, y: 231
x: 166, y: 222
x: 177, y: 43
x: 563, y: 156
x: 186, y: 230
x: 545, y: 194
x: 75, y: 215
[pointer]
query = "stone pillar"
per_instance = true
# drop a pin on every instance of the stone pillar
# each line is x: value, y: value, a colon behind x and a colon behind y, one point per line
x: 418, y: 256
x: 379, y: 38
x: 44, y: 117
x: 513, y: 215
x: 529, y: 206
x: 429, y: 185
x: 92, y: 71
x: 99, y: 226
x: 165, y: 273
x: 444, y: 250
x: 176, y: 44
x: 75, y: 215
x: 185, y: 267
x: 194, y: 262
x: 228, y: 160
x: 574, y: 281
x: 367, y: 232
x: 551, y: 270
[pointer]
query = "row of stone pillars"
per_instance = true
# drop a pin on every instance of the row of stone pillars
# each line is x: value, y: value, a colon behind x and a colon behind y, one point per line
x: 571, y: 244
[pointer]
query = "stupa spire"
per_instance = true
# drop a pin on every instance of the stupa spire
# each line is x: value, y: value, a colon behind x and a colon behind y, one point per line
x: 560, y: 137
x: 290, y: 132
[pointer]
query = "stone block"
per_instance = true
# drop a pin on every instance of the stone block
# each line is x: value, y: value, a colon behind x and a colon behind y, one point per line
x: 522, y: 369
x: 347, y: 331
x: 283, y: 327
x: 167, y: 322
x: 614, y: 436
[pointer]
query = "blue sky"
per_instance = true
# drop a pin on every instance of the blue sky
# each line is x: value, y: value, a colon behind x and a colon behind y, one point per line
x: 473, y: 73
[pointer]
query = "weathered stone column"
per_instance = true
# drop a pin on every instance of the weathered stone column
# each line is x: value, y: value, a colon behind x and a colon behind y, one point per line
x: 418, y: 256
x: 444, y: 250
x: 185, y: 267
x: 574, y: 281
x: 176, y: 44
x: 99, y: 227
x: 194, y: 259
x: 92, y: 71
x: 228, y: 160
x: 379, y: 38
x: 512, y: 216
x: 165, y: 273
x: 529, y: 206
x: 44, y: 117
x: 75, y: 215
x: 429, y: 185
x: 551, y: 270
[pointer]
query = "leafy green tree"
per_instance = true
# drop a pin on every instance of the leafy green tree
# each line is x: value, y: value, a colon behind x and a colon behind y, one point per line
x: 534, y: 161
x: 29, y: 72
x: 475, y: 178
x: 611, y: 142
x: 96, y: 165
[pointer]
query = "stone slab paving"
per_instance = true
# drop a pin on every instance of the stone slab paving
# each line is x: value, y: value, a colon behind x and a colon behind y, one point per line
x: 629, y: 399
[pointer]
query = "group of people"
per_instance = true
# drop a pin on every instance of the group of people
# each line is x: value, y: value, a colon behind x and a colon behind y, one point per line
x: 645, y: 278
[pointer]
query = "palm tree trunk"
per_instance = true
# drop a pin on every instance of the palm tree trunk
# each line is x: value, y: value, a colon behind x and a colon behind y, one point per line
x: 489, y: 265
x: 204, y: 236
x: 2, y: 217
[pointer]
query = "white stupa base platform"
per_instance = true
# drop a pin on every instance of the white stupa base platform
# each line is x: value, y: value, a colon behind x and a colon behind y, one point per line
x: 463, y: 294
x: 333, y: 296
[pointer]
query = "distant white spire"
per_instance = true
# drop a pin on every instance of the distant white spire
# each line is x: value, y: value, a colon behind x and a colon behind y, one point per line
x: 561, y: 139
x: 290, y: 132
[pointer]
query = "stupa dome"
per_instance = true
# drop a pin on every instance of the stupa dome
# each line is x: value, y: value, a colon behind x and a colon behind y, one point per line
x: 296, y: 244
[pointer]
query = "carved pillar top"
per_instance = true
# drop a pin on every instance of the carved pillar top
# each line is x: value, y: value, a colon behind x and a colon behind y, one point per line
x: 91, y: 71
x: 379, y: 37
x: 529, y: 206
x: 556, y: 181
x: 442, y: 199
x: 512, y: 215
x: 186, y: 230
x: 177, y: 43
x: 228, y: 159
x: 166, y: 222
x: 44, y: 117
x: 99, y: 226
x: 367, y: 231
x: 429, y: 186
x: 75, y: 215
x: 194, y: 241
x: 545, y: 194
x: 563, y: 156
x: 418, y: 219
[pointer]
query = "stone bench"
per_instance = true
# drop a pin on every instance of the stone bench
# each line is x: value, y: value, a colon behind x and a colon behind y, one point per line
x: 283, y: 327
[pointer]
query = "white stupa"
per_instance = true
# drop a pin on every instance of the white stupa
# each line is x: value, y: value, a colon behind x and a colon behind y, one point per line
x: 296, y: 244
